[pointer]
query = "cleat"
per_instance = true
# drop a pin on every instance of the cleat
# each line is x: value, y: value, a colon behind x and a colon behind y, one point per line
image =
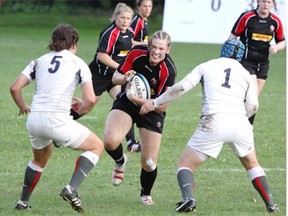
x: 118, y: 173
x: 21, y: 206
x: 273, y: 209
x: 187, y: 205
x: 72, y: 198
x: 134, y: 146
x: 146, y: 200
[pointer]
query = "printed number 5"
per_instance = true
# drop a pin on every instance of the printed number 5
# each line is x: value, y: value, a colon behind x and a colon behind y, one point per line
x: 56, y: 64
x: 227, y: 77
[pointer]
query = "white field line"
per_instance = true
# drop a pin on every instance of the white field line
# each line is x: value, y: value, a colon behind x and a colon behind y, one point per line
x: 276, y: 169
x: 25, y: 117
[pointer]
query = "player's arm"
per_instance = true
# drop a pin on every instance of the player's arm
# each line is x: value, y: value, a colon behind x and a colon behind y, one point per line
x: 251, y: 100
x: 87, y: 101
x: 277, y: 47
x: 121, y: 79
x: 134, y: 42
x: 171, y: 94
x: 104, y: 58
x: 16, y: 93
x: 231, y: 36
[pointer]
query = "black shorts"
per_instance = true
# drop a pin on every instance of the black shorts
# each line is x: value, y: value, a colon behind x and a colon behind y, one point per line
x: 260, y: 69
x: 153, y: 121
x: 101, y: 83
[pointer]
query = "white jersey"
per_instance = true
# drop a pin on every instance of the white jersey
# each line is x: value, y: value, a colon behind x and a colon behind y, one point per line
x: 56, y: 74
x: 225, y: 86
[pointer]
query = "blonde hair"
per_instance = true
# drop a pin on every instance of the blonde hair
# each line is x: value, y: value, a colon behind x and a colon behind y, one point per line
x: 162, y: 35
x: 120, y: 8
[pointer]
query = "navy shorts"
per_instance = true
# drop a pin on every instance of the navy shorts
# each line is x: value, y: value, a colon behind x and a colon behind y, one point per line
x: 101, y: 83
x: 260, y: 69
x: 153, y: 121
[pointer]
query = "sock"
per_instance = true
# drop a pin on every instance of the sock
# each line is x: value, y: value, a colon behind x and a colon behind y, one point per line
x: 260, y: 183
x: 251, y: 119
x: 31, y: 178
x: 117, y: 154
x: 83, y: 166
x: 186, y: 182
x: 147, y: 180
x: 130, y: 136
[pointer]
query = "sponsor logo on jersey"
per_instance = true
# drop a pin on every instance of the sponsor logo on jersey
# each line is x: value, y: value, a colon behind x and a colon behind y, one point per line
x: 123, y: 53
x: 272, y: 28
x: 261, y: 37
x: 146, y: 38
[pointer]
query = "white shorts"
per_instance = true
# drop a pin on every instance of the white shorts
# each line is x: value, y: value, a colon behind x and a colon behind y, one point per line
x: 216, y: 129
x: 45, y: 127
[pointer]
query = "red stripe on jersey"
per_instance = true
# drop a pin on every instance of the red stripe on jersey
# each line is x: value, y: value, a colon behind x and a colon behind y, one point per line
x: 242, y: 23
x: 279, y: 32
x: 112, y: 39
x: 130, y: 58
x: 163, y: 76
x: 139, y: 26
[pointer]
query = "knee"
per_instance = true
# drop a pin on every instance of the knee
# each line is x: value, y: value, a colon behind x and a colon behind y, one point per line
x: 149, y: 165
x: 110, y: 143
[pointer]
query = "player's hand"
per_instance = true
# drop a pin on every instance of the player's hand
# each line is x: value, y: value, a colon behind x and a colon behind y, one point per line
x: 128, y: 75
x: 147, y: 107
x: 273, y: 49
x: 130, y: 93
x: 24, y: 110
x: 76, y: 103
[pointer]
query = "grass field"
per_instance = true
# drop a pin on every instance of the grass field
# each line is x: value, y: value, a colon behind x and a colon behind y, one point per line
x: 222, y: 186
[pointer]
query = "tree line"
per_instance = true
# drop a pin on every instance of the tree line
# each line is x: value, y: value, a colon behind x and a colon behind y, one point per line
x: 40, y: 5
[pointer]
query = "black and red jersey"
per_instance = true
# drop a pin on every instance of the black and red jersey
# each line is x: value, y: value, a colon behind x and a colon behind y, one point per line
x: 160, y: 77
x: 257, y: 33
x: 116, y: 44
x: 140, y: 28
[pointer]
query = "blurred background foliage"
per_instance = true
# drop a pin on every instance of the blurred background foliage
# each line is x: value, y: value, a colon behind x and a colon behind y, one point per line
x: 70, y: 7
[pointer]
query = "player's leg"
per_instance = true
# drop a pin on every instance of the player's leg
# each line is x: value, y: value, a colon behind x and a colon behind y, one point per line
x: 132, y: 144
x: 118, y: 123
x: 189, y: 161
x: 81, y: 138
x: 259, y: 180
x: 32, y: 175
x: 150, y: 148
x: 93, y: 148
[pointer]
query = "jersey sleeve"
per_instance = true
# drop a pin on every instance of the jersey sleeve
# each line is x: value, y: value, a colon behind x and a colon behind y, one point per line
x: 279, y: 32
x: 30, y: 71
x: 127, y: 64
x: 85, y: 73
x: 251, y: 100
x: 137, y: 25
x: 107, y: 40
x: 240, y: 24
x: 194, y: 76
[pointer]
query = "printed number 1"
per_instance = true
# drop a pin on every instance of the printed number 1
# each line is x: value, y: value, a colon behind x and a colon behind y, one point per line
x: 56, y: 64
x: 227, y: 77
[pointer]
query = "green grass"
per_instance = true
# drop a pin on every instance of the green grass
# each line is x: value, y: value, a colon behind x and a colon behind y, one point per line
x: 222, y: 186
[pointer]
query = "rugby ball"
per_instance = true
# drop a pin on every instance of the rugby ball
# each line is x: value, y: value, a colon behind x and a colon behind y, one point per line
x: 140, y: 86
